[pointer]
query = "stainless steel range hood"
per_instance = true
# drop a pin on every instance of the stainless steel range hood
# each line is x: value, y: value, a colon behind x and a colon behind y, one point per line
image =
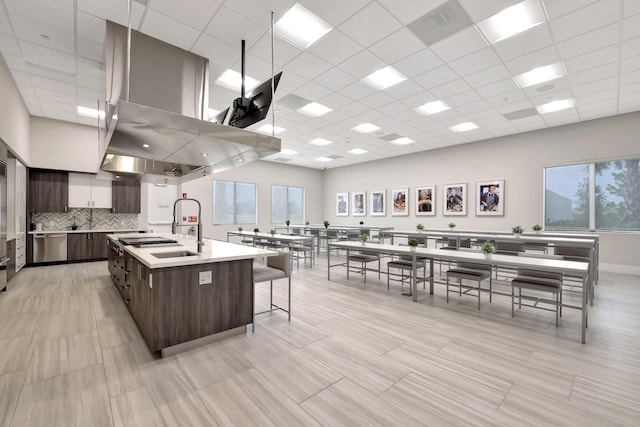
x: 160, y: 128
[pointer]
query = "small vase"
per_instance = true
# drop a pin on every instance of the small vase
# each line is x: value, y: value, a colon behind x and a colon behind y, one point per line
x: 362, y: 243
x: 487, y: 255
x: 517, y: 235
x: 412, y: 248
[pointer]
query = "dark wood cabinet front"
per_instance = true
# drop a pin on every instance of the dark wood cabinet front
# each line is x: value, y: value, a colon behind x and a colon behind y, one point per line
x: 48, y: 190
x: 125, y: 197
x: 85, y: 246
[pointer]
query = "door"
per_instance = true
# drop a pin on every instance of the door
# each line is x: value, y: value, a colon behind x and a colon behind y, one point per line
x: 161, y: 199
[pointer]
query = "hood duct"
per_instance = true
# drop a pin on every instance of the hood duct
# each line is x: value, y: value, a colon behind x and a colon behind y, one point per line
x: 160, y: 127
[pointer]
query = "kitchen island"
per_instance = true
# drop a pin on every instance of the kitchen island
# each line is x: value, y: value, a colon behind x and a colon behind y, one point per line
x: 180, y: 298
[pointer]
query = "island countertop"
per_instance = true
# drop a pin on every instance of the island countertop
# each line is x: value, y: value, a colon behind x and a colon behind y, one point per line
x: 212, y: 251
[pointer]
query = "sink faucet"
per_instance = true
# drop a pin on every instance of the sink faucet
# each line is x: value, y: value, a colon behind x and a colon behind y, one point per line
x: 175, y: 225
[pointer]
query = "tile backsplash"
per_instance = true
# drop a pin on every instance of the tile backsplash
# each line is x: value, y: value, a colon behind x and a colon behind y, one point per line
x: 103, y: 219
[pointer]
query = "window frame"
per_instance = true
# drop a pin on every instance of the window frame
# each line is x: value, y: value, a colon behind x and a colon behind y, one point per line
x: 235, y: 210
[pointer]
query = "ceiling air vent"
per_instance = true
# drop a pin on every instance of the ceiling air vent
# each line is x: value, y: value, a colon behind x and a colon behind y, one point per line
x: 294, y: 102
x: 391, y: 137
x: 521, y: 114
x: 441, y: 22
x: 334, y: 157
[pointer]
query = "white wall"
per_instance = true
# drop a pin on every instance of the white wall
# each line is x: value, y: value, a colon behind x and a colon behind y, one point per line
x: 14, y: 116
x: 518, y: 159
x: 265, y: 174
x: 64, y: 146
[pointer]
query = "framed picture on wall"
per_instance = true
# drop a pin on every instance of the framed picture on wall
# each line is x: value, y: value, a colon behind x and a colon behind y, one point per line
x: 455, y: 199
x: 400, y: 202
x: 490, y: 198
x: 377, y: 203
x: 342, y: 204
x: 425, y: 201
x: 359, y: 207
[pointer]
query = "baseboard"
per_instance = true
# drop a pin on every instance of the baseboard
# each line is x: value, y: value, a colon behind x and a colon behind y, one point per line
x: 620, y: 268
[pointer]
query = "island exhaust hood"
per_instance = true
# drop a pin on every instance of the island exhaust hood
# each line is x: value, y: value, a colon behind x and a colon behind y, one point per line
x: 156, y: 110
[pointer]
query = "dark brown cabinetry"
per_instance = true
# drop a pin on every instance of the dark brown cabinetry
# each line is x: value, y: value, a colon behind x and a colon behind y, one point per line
x: 125, y: 197
x: 11, y: 253
x: 48, y: 190
x: 85, y: 246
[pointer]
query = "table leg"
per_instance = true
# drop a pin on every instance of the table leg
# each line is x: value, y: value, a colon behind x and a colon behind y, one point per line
x: 414, y: 279
x: 585, y: 307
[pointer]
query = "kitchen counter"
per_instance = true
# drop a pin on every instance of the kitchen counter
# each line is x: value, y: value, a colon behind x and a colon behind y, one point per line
x: 108, y: 230
x: 212, y: 251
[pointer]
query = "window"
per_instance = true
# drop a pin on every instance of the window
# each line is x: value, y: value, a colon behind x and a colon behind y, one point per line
x: 234, y: 203
x: 594, y: 196
x: 287, y: 203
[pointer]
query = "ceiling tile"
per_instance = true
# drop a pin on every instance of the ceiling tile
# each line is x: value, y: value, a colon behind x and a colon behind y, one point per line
x: 90, y: 82
x: 473, y: 107
x: 233, y: 28
x: 14, y: 62
x: 334, y: 12
x: 533, y: 60
x: 335, y: 47
x: 589, y: 18
x: 90, y: 68
x: 312, y: 91
x: 255, y: 67
x: 436, y: 77
x: 196, y: 14
x: 506, y: 98
x: 592, y: 59
x: 592, y: 87
x: 53, y: 85
x: 405, y: 89
x: 335, y: 79
x: 362, y: 64
x: 449, y: 89
x: 631, y: 27
x: 33, y: 32
x: 283, y: 51
x: 377, y: 99
x: 357, y: 90
x: 47, y: 13
x: 475, y: 62
x: 218, y: 51
x: 91, y: 28
x: 490, y: 75
x: 597, y: 97
x: 370, y: 25
x: 631, y: 48
x: 594, y: 74
x: 57, y: 97
x: 485, y: 8
x: 397, y: 46
x: 630, y: 64
x: 460, y: 44
x: 90, y: 50
x: 631, y: 7
x: 169, y: 30
x: 336, y: 100
x: 418, y: 63
x: 113, y: 10
x: 498, y: 88
x: 308, y: 65
x: 48, y: 58
x: 594, y: 40
x: 21, y: 77
x: 9, y: 45
x: 629, y: 78
x: 529, y: 41
x: 557, y: 8
x: 5, y: 25
x: 463, y: 98
x: 408, y: 10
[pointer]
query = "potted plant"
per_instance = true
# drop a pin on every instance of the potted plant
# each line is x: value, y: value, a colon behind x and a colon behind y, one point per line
x: 240, y: 229
x: 307, y: 223
x: 487, y: 249
x: 326, y: 224
x: 288, y: 222
x: 272, y: 231
x: 517, y: 230
x: 420, y: 227
x: 364, y: 238
x: 413, y: 244
x: 451, y: 225
x: 537, y: 228
x: 256, y: 230
x: 361, y: 222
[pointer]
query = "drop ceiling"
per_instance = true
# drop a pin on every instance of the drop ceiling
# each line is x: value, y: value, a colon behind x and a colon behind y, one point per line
x: 54, y: 50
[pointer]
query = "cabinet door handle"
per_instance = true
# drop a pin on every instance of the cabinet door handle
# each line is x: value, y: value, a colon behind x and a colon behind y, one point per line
x: 65, y: 208
x: 127, y: 301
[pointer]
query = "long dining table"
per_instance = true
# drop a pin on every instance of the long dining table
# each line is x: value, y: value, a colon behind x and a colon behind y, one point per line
x: 290, y: 240
x: 573, y: 268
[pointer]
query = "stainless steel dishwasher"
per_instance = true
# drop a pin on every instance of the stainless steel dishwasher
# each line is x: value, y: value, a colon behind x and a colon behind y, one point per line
x: 49, y: 247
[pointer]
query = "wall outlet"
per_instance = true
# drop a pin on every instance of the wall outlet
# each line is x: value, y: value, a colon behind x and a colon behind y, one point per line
x: 205, y: 277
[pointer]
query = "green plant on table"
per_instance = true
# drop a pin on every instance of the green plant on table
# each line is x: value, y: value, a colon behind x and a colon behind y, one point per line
x: 364, y: 237
x: 256, y: 230
x: 517, y: 230
x: 537, y: 227
x: 288, y: 222
x: 451, y: 225
x: 307, y: 223
x: 326, y: 224
x: 272, y: 231
x: 240, y: 229
x: 420, y: 227
x: 412, y: 242
x: 488, y: 248
x: 361, y: 222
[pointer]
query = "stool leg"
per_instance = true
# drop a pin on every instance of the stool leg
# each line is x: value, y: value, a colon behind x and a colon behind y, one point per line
x: 479, y: 292
x: 271, y: 294
x: 519, y: 298
x: 513, y: 294
x: 447, y: 289
x: 557, y: 308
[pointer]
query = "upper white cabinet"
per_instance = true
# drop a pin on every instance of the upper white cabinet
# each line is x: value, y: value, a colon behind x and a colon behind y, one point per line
x: 85, y: 191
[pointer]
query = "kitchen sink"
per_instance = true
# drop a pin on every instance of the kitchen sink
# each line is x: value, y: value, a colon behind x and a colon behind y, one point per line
x: 176, y: 254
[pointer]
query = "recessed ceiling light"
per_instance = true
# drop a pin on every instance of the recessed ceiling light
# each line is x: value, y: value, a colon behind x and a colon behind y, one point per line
x: 267, y: 129
x: 552, y: 106
x: 324, y: 159
x: 320, y: 141
x: 204, y: 154
x: 90, y: 112
x: 233, y: 80
x: 301, y: 27
x: 117, y: 176
x: 432, y: 108
x: 358, y: 151
x: 384, y: 78
x: 288, y: 152
x: 512, y: 20
x: 463, y: 127
x: 402, y: 141
x: 314, y: 109
x: 540, y: 74
x: 145, y: 145
x: 366, y: 128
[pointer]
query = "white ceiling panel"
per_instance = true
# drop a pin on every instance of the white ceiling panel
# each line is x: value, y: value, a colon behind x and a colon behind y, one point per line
x: 362, y: 64
x: 594, y: 74
x: 397, y: 46
x: 91, y: 28
x: 479, y: 10
x: 630, y: 64
x: 631, y: 27
x: 629, y: 78
x: 490, y: 75
x: 167, y: 29
x: 463, y: 98
x: 449, y: 89
x: 57, y: 97
x: 475, y: 62
x: 40, y: 34
x: 589, y: 18
x: 197, y: 16
x: 233, y: 28
x: 597, y: 97
x: 558, y: 8
x: 602, y: 37
x: 47, y: 13
x: 312, y: 91
x: 218, y: 51
x: 592, y: 59
x: 90, y: 50
x: 308, y: 65
x: 334, y: 12
x: 335, y: 79
x: 357, y: 90
x: 48, y: 58
x: 631, y: 7
x: 335, y: 47
x: 498, y: 88
x: 14, y: 62
x: 436, y: 77
x: 5, y: 25
x: 283, y: 51
x: 630, y: 48
x: 408, y: 10
x: 377, y: 99
x: 113, y: 10
x: 371, y: 24
x: 405, y: 89
x: 533, y: 60
x: 336, y: 100
x: 90, y: 68
x: 418, y: 63
x: 460, y: 44
x: 9, y: 45
x: 527, y: 42
x: 596, y: 86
